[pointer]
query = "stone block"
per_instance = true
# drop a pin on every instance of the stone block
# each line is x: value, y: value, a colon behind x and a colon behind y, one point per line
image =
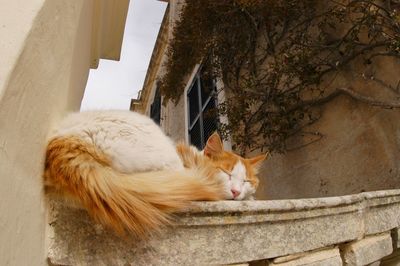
x: 382, y: 211
x: 367, y: 250
x: 330, y: 257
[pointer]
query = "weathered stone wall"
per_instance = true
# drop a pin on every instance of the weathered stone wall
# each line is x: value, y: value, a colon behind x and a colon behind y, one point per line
x: 349, y: 230
x: 359, y: 151
x: 174, y: 120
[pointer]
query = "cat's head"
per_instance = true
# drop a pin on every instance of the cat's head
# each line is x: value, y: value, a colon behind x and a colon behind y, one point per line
x: 239, y: 172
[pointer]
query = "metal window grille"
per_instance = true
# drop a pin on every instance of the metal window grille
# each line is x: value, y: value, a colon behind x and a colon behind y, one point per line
x: 202, y: 110
x: 155, y: 108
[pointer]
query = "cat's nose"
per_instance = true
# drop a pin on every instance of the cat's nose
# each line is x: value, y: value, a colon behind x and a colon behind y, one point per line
x: 235, y: 192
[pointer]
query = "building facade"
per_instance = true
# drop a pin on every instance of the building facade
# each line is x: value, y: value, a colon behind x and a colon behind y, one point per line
x: 359, y: 152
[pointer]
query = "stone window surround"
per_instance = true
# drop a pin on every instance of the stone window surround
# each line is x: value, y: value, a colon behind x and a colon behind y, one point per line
x: 227, y: 232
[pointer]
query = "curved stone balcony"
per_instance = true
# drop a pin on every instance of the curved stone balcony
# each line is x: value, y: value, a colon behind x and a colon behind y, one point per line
x: 348, y: 230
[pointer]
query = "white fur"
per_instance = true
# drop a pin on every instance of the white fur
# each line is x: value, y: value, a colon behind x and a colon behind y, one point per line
x: 227, y: 185
x: 133, y: 142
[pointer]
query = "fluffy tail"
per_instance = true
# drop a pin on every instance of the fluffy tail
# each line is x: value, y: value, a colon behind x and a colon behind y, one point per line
x: 139, y: 203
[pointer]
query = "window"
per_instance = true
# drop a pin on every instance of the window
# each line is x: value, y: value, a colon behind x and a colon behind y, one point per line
x: 202, y: 110
x: 155, y: 108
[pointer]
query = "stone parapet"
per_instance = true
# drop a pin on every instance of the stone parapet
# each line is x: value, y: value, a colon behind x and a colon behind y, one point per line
x: 229, y: 232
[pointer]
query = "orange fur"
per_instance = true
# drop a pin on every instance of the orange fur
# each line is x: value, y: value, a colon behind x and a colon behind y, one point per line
x: 139, y: 203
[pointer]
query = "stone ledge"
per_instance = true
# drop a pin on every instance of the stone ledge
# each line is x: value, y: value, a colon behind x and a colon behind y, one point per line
x: 228, y: 232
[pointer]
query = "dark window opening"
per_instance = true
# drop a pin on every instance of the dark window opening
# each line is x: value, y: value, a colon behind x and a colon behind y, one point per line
x: 155, y: 108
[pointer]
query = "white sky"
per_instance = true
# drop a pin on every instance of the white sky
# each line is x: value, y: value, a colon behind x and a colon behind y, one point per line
x: 114, y: 83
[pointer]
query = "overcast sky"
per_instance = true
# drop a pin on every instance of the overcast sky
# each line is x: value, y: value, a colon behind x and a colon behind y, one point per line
x: 114, y: 83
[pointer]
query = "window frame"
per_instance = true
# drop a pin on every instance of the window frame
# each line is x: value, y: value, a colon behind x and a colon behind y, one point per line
x: 202, y: 106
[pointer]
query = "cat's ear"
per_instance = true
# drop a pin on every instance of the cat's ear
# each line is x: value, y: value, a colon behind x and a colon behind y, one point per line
x: 213, y: 146
x: 257, y: 161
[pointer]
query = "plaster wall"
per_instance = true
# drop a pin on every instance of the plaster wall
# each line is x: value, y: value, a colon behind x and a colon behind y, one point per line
x: 45, y: 51
x: 359, y: 150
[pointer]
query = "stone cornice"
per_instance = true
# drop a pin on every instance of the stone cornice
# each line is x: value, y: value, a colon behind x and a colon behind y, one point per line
x: 109, y: 18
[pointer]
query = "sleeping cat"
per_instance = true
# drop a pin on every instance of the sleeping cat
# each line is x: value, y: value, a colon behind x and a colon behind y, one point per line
x: 239, y: 173
x: 126, y: 173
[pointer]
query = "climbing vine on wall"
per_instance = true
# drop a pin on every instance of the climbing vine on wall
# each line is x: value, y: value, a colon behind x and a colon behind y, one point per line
x: 278, y: 60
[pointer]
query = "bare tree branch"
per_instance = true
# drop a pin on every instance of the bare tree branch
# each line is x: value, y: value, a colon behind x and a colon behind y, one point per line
x: 352, y: 94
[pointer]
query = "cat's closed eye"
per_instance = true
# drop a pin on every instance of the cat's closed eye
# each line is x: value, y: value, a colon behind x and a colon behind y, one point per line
x: 226, y: 172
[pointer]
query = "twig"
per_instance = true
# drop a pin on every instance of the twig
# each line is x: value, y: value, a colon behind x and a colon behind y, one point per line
x: 351, y: 93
